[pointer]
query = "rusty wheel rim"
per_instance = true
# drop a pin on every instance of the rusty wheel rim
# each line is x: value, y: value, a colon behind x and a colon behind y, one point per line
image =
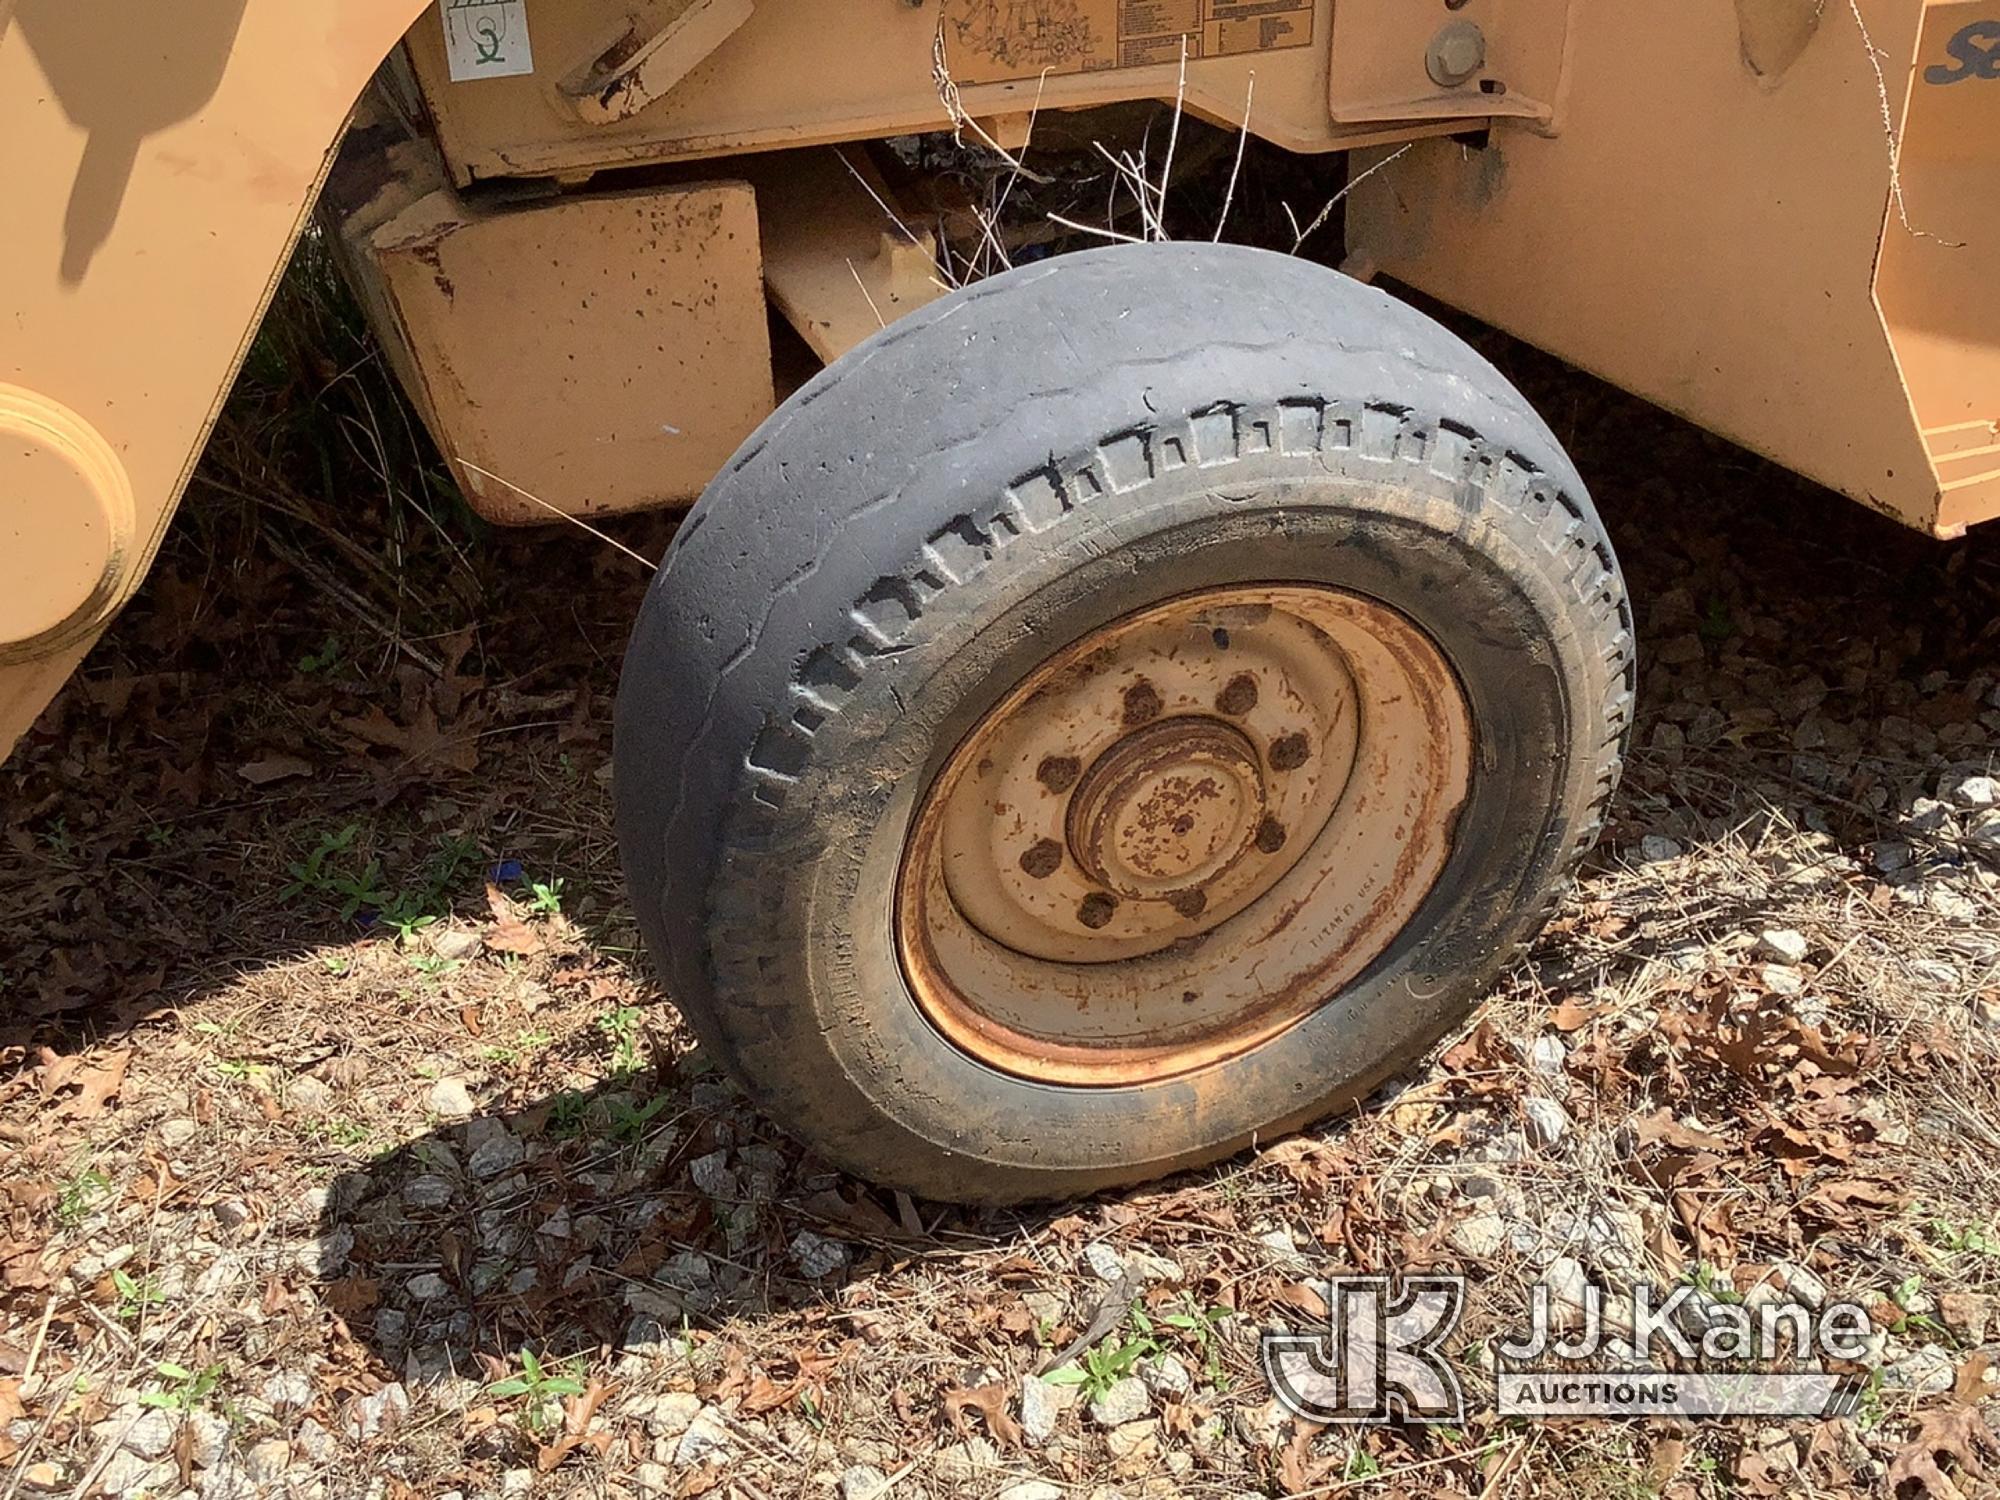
x: 1183, y: 834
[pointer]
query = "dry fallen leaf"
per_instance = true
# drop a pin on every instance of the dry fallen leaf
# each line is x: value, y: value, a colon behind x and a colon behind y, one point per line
x: 1970, y: 1386
x: 269, y: 768
x: 96, y: 1086
x: 1958, y: 1435
x: 1573, y: 1015
x: 1298, y: 1470
x: 578, y: 1413
x: 990, y: 1401
x: 508, y: 934
x: 765, y: 1394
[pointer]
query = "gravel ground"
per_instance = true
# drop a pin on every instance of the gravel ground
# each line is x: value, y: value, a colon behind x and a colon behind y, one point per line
x: 347, y: 1148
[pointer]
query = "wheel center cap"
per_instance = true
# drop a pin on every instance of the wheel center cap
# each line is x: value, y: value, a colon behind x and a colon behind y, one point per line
x: 1168, y: 808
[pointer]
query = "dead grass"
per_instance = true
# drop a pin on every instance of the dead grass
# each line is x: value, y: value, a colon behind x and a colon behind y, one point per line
x: 345, y: 1179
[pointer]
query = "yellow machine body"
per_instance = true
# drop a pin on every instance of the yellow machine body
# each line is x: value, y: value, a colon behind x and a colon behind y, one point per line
x: 567, y: 218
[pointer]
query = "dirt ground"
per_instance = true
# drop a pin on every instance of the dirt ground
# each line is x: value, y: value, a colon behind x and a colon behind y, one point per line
x: 347, y: 1147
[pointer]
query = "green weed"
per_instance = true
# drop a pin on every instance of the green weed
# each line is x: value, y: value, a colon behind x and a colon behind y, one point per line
x: 544, y: 1392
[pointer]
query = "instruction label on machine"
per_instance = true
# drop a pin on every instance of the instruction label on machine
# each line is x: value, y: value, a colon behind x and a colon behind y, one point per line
x: 486, y: 39
x: 1000, y: 41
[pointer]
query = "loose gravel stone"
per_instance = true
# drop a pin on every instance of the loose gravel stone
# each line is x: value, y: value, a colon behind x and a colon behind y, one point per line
x: 1781, y: 945
x: 316, y: 1445
x: 1126, y: 1401
x: 1042, y: 1406
x: 672, y: 1414
x: 267, y: 1461
x: 1480, y: 1236
x: 129, y: 1474
x: 429, y: 1191
x: 495, y: 1155
x: 289, y: 1390
x: 1781, y: 980
x: 707, y: 1437
x: 461, y: 944
x: 1105, y: 1263
x: 450, y: 1099
x: 307, y: 1095
x: 152, y: 1434
x: 818, y: 1256
x: 1546, y: 1120
x: 1976, y: 791
x: 370, y: 1415
x: 1166, y: 1376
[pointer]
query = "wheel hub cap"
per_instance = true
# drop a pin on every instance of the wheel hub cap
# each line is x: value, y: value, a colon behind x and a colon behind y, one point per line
x: 1180, y: 833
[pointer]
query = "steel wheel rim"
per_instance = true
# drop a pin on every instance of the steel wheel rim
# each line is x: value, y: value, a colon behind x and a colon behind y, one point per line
x: 1183, y: 834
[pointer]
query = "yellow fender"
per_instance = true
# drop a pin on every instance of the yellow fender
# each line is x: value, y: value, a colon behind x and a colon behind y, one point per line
x: 159, y: 161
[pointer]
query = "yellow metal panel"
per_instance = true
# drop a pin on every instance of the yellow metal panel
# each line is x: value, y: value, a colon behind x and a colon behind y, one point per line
x: 158, y: 161
x: 1705, y: 233
x: 793, y: 75
x: 1939, y: 280
x: 590, y: 354
x: 835, y: 263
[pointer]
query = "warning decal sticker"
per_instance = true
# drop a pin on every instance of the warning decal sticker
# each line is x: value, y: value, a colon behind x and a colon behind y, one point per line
x: 996, y: 41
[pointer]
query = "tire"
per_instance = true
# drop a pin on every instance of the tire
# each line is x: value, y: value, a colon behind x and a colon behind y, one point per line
x: 998, y: 475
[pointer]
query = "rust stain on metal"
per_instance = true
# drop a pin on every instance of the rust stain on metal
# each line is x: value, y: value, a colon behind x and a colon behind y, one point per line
x: 1238, y: 695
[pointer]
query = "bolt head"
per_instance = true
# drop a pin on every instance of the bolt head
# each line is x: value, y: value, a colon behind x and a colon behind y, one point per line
x: 1456, y: 53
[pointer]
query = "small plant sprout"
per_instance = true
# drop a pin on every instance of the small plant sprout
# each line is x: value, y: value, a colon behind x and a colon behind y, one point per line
x: 569, y: 1112
x: 621, y: 1027
x: 1105, y: 1364
x: 185, y: 1389
x: 135, y: 1294
x: 629, y: 1121
x: 405, y: 914
x: 80, y: 1195
x: 1199, y: 1327
x: 322, y: 660
x: 1958, y: 1239
x: 543, y: 1391
x: 320, y: 874
x: 1908, y: 1295
x: 545, y: 899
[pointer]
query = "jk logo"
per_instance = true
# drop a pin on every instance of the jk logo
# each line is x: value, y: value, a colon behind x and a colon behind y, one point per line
x: 1379, y: 1359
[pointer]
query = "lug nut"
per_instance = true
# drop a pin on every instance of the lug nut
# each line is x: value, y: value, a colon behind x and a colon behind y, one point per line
x: 1095, y: 909
x: 1142, y: 704
x: 1270, y: 835
x: 1190, y: 902
x: 1042, y: 858
x: 1058, y: 772
x: 1238, y: 695
x: 1289, y: 752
